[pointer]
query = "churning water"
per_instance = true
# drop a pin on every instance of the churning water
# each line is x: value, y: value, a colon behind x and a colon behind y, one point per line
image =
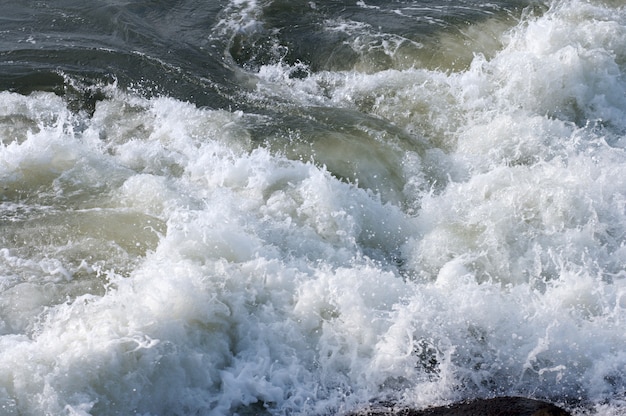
x: 292, y: 207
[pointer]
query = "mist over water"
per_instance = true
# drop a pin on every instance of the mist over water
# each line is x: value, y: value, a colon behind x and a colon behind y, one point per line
x: 302, y: 208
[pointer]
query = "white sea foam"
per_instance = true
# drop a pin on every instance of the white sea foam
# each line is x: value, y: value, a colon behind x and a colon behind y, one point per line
x: 173, y: 266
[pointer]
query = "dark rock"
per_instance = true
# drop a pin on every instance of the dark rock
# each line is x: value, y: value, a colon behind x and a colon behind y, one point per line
x: 499, y: 406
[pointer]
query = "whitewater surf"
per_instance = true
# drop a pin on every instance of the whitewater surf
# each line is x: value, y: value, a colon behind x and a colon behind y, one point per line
x: 307, y: 207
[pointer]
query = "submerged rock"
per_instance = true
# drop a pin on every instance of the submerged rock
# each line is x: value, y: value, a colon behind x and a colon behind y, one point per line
x: 499, y: 406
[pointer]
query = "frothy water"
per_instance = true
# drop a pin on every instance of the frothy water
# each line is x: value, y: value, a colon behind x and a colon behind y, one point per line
x: 430, y: 213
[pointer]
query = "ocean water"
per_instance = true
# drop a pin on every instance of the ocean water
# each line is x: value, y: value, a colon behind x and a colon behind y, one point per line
x: 271, y: 207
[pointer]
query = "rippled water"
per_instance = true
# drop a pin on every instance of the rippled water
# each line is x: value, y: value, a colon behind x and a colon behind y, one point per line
x: 287, y: 207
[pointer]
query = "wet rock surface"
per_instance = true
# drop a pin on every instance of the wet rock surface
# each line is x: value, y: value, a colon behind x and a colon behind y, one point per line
x: 499, y: 406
